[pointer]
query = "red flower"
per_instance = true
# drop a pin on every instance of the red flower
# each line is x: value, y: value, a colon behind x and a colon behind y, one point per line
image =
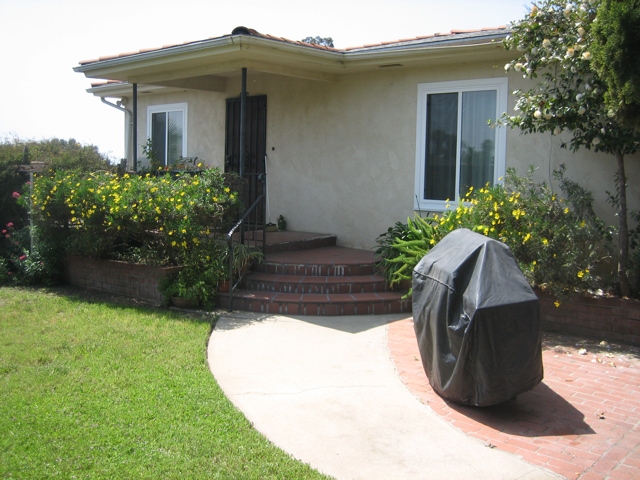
x: 10, y: 224
x: 16, y: 195
x: 4, y: 231
x: 23, y: 258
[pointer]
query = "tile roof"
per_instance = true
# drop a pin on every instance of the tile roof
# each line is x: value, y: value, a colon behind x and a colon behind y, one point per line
x: 453, y: 35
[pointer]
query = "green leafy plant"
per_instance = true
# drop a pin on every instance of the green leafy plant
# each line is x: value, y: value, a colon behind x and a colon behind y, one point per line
x: 244, y: 256
x: 282, y: 223
x: 558, y: 242
x: 161, y: 218
x: 198, y: 278
x: 149, y: 152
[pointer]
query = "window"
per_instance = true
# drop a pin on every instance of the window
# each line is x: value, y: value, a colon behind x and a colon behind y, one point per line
x: 167, y: 128
x: 456, y: 147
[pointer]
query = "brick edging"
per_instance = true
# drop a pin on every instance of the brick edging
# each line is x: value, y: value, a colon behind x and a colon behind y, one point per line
x: 607, y: 318
x: 121, y: 278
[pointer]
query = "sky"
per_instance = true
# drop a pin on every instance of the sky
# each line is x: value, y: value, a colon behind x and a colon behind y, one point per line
x: 42, y: 40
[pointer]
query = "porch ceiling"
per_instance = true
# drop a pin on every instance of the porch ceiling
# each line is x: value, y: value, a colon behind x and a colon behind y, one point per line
x: 208, y: 64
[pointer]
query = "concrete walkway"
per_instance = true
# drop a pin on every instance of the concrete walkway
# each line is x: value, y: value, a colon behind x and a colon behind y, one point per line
x: 325, y: 390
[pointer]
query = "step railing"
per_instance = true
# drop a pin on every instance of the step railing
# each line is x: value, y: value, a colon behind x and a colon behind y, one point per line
x: 250, y: 228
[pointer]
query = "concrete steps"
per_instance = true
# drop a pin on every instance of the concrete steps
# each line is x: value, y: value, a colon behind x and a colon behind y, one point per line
x: 307, y: 274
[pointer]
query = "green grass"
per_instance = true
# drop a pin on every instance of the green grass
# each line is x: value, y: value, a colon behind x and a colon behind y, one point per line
x: 98, y: 390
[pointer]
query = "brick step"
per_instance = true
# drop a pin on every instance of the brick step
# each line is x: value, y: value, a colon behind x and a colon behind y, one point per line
x: 307, y: 274
x: 318, y: 304
x: 289, y: 241
x: 327, y: 284
x: 323, y: 261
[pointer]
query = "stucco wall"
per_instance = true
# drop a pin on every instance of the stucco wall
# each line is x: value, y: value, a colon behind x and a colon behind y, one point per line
x: 341, y: 155
x: 205, y: 125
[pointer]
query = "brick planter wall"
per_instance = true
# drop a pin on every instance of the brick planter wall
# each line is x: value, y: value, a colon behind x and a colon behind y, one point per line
x: 121, y: 278
x: 613, y: 319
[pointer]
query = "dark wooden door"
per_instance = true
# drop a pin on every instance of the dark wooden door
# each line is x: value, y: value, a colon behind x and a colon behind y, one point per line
x: 255, y: 146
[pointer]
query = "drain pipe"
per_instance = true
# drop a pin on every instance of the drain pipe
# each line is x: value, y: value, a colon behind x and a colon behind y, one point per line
x: 128, y: 127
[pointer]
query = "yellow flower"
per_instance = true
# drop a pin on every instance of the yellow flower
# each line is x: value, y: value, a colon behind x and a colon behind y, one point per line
x: 580, y: 274
x: 227, y: 190
x: 566, y: 210
x: 545, y: 241
x: 556, y: 303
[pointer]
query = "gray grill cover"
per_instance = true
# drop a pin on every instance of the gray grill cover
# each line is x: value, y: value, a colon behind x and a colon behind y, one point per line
x: 477, y: 321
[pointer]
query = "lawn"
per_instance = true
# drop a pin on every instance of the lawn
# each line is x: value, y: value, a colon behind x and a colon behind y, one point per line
x: 92, y: 389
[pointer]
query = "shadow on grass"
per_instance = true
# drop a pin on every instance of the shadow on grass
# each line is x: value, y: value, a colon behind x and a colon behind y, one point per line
x: 121, y: 302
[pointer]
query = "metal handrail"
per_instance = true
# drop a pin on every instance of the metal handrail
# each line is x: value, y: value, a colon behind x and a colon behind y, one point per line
x: 240, y: 224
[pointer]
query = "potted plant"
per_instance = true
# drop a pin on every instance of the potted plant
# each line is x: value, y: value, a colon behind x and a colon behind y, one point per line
x: 243, y: 257
x: 196, y: 283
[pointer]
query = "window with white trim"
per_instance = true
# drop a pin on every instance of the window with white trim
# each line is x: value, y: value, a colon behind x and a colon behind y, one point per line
x: 167, y: 129
x: 456, y: 146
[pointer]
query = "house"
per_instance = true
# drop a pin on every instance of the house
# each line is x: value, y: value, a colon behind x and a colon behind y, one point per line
x: 352, y: 140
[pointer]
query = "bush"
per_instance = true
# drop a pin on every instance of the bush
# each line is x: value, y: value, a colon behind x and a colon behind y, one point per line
x: 148, y: 218
x: 152, y: 219
x: 559, y: 243
x: 20, y: 265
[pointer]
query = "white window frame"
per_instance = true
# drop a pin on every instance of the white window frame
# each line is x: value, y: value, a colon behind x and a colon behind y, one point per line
x: 500, y: 85
x: 166, y: 108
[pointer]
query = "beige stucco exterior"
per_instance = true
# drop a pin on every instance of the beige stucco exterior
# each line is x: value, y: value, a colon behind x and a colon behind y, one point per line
x: 341, y: 149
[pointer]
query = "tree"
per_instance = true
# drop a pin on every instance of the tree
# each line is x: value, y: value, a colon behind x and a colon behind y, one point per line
x: 616, y: 57
x: 322, y: 41
x: 555, y: 40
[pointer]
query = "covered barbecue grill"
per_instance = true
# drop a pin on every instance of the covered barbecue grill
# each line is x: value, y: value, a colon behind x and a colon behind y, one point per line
x: 477, y: 321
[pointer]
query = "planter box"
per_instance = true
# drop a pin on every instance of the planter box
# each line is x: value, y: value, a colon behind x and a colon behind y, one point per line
x: 121, y: 278
x: 613, y: 319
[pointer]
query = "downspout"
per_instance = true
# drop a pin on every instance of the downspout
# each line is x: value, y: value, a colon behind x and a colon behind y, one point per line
x: 129, y: 122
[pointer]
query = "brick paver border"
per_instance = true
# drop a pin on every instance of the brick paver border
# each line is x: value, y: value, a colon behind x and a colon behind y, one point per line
x: 582, y: 421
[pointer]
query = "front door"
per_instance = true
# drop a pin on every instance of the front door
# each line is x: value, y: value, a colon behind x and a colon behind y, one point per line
x: 255, y: 146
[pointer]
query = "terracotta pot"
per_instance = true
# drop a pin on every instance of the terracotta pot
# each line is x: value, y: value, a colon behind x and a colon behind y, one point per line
x: 223, y: 286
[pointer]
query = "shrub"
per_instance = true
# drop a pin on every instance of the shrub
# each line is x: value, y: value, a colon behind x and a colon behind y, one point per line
x: 149, y: 218
x: 558, y: 242
x: 156, y: 219
x: 21, y: 266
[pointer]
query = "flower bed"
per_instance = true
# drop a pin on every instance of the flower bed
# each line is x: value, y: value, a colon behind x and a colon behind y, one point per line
x: 613, y: 319
x: 122, y: 278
